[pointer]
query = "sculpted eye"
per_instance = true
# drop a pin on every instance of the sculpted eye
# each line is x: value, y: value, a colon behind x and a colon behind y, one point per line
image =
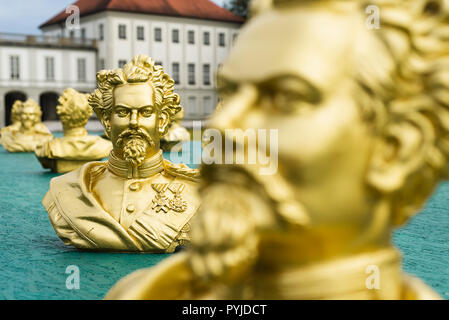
x: 146, y: 112
x: 287, y: 101
x: 122, y: 112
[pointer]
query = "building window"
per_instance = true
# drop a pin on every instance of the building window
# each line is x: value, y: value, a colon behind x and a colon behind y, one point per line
x: 192, y: 105
x: 101, y: 31
x: 175, y: 72
x: 122, y: 31
x: 83, y: 34
x: 50, y: 68
x: 206, y: 38
x: 221, y: 40
x: 191, y: 72
x: 121, y: 63
x: 191, y: 37
x: 140, y: 33
x: 206, y: 74
x: 175, y: 35
x: 158, y: 34
x: 101, y: 64
x: 14, y: 62
x: 81, y: 63
x: 72, y: 34
x: 207, y: 105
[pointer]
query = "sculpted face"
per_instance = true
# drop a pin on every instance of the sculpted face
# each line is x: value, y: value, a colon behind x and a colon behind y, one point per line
x: 134, y: 123
x: 301, y: 85
x: 29, y: 118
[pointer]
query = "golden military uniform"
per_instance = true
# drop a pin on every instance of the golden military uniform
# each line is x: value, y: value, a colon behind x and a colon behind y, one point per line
x: 13, y: 127
x: 112, y: 206
x: 71, y: 151
x: 14, y: 140
x: 173, y: 279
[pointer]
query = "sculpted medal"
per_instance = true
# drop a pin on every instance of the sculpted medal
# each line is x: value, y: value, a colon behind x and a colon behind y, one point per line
x: 160, y: 201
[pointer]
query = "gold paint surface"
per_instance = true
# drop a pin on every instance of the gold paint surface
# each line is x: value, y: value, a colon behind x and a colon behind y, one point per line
x: 76, y: 147
x: 362, y: 122
x: 108, y: 206
x: 27, y: 130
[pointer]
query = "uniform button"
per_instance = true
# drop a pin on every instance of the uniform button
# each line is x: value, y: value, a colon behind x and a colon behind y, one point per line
x: 134, y: 186
x: 130, y: 208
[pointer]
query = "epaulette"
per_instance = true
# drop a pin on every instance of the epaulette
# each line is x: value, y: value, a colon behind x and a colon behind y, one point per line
x: 94, y: 172
x: 181, y: 170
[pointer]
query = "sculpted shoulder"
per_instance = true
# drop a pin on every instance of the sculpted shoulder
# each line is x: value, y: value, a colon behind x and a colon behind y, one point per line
x: 79, y: 178
x: 182, y: 171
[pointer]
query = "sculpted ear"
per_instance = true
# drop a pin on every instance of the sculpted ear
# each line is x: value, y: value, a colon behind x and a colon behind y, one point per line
x: 400, y: 153
x: 164, y: 121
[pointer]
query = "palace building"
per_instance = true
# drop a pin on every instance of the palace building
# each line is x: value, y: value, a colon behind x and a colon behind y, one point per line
x: 189, y: 38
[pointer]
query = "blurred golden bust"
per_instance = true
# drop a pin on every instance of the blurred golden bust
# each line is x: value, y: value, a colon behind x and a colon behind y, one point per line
x: 176, y: 134
x: 136, y: 201
x: 76, y: 147
x: 363, y: 125
x: 15, y: 117
x: 27, y: 129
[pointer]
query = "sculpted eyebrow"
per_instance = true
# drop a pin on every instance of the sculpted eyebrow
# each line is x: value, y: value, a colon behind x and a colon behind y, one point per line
x: 294, y: 84
x: 123, y: 106
x: 128, y: 107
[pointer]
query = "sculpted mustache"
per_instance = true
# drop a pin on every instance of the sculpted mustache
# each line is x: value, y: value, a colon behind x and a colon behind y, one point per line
x: 139, y: 132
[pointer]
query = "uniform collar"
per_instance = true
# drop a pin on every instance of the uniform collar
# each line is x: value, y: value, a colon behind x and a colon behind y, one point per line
x: 147, y: 169
x: 75, y: 132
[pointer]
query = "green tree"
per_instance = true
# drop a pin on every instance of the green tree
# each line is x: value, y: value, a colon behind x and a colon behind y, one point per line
x: 239, y: 7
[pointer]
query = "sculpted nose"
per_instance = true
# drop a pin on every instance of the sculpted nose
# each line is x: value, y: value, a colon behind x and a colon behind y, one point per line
x: 133, y: 122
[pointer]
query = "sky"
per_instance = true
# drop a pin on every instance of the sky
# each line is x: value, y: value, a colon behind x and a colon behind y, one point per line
x: 25, y: 16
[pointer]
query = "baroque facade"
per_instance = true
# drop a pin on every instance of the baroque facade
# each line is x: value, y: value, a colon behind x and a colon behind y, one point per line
x: 189, y: 38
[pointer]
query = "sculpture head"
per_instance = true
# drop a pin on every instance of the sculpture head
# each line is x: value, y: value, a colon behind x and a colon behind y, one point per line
x: 362, y: 115
x: 135, y: 104
x: 73, y: 109
x: 15, y: 111
x: 30, y: 114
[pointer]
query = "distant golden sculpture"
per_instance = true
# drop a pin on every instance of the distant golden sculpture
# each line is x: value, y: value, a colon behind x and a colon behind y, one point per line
x: 176, y: 134
x: 15, y: 117
x: 363, y: 128
x: 136, y: 201
x: 76, y: 147
x: 27, y: 129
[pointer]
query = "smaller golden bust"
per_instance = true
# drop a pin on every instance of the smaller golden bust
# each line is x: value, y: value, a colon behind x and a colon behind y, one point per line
x: 135, y: 201
x: 27, y: 130
x: 15, y: 118
x: 175, y: 135
x: 76, y: 147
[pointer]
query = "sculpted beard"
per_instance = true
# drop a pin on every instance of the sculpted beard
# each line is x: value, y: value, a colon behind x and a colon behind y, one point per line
x: 134, y: 144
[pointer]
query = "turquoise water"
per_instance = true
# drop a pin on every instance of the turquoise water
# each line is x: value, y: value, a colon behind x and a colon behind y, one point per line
x: 33, y: 260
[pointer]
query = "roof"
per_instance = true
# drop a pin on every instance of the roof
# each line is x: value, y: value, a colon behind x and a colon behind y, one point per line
x: 197, y: 9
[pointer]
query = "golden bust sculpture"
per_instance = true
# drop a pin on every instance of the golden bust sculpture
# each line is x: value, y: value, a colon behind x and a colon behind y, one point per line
x: 15, y: 118
x: 76, y: 147
x: 175, y: 135
x: 136, y: 201
x: 27, y: 130
x: 363, y: 124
